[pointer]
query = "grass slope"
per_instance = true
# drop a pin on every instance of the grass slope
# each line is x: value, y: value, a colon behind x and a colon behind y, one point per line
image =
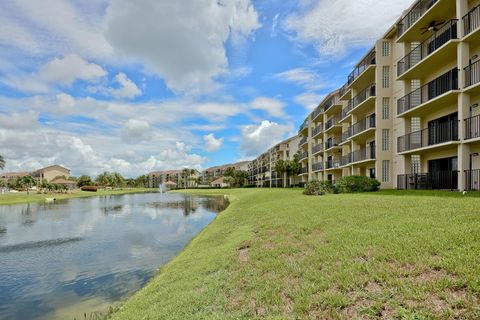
x: 277, y: 254
x: 16, y: 198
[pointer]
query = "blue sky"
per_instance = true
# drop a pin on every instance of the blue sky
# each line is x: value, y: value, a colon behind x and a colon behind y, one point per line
x: 141, y: 85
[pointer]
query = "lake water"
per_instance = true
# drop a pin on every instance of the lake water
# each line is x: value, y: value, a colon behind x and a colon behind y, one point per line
x: 64, y: 259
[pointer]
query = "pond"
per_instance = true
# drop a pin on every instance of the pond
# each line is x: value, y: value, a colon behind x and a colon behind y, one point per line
x: 64, y: 259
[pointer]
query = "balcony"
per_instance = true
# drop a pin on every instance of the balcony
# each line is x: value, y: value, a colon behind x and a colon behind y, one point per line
x: 302, y: 142
x: 318, y: 111
x: 318, y: 148
x: 472, y: 180
x: 472, y: 76
x: 317, y: 130
x: 435, y: 135
x: 303, y: 170
x: 471, y: 24
x: 303, y: 156
x: 435, y: 88
x: 360, y: 99
x: 345, y: 92
x: 364, y: 65
x: 358, y: 156
x: 333, y: 164
x: 346, y: 110
x: 317, y: 166
x: 441, y: 180
x: 346, y: 135
x: 304, y: 126
x: 472, y: 127
x: 331, y: 143
x: 363, y: 125
x: 333, y: 121
x: 429, y: 53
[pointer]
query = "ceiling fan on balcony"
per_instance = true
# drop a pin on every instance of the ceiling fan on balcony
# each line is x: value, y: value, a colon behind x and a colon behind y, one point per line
x: 432, y: 26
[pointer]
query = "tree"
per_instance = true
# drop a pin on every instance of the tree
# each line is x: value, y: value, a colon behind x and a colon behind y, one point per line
x: 2, y: 162
x: 27, y: 182
x: 229, y: 172
x: 229, y: 180
x: 117, y: 180
x: 103, y: 179
x: 186, y: 173
x: 281, y: 167
x: 240, y: 178
x: 293, y: 167
x: 84, y: 181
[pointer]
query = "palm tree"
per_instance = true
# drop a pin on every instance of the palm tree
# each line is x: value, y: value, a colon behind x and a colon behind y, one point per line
x: 186, y: 173
x: 2, y: 162
x: 27, y: 182
x: 281, y: 167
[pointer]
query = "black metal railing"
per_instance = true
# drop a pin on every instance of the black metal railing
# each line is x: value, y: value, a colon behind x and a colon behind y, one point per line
x: 363, y: 125
x: 317, y: 166
x: 333, y: 163
x: 318, y: 129
x: 302, y: 141
x: 413, y: 15
x: 347, y: 109
x: 317, y: 148
x: 303, y: 155
x: 329, y: 104
x: 304, y: 170
x: 429, y: 46
x: 304, y: 125
x: 446, y: 82
x: 471, y: 20
x: 343, y: 89
x: 318, y: 110
x: 441, y: 180
x: 440, y: 133
x: 346, y: 160
x: 359, y: 155
x: 331, y: 143
x: 331, y: 122
x: 346, y: 135
x: 362, y: 66
x: 472, y: 74
x: 363, y: 95
x: 472, y: 127
x: 472, y: 180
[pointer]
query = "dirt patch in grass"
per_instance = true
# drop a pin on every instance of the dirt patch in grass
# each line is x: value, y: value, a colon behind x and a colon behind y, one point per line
x: 257, y: 310
x: 243, y: 254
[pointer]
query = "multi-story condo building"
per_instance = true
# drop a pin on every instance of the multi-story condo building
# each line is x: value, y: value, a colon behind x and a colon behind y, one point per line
x: 214, y: 173
x: 262, y: 171
x: 408, y: 113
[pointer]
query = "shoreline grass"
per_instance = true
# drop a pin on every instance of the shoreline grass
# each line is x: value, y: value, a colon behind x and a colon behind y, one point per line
x: 276, y: 254
x: 18, y: 198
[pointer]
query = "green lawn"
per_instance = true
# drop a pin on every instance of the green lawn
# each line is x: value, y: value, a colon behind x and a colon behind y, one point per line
x: 15, y: 198
x: 277, y: 254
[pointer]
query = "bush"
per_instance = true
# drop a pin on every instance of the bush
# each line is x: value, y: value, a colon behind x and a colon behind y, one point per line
x: 353, y: 184
x: 250, y: 186
x: 318, y: 188
x: 89, y: 188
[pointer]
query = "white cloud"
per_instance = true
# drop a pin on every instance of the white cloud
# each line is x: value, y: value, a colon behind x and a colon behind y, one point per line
x: 273, y: 107
x: 135, y: 131
x: 303, y: 77
x: 259, y: 138
x: 309, y: 100
x: 126, y: 88
x: 332, y: 26
x: 188, y: 53
x: 212, y: 144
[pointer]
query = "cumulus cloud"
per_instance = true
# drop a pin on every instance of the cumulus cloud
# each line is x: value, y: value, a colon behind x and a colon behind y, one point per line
x: 332, y: 26
x: 135, y: 131
x: 273, y: 107
x: 125, y: 89
x: 309, y: 100
x: 212, y: 144
x: 188, y: 53
x: 259, y: 138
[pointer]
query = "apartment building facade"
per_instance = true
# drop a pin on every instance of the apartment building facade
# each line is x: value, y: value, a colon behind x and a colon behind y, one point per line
x: 262, y: 171
x: 217, y: 172
x: 408, y: 113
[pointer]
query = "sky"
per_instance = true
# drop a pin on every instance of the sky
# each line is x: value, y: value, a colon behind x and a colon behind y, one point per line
x: 135, y: 86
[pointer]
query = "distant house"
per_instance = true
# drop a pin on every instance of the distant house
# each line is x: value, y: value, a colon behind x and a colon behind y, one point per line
x: 51, y: 172
x: 219, y: 183
x: 170, y: 184
x: 9, y: 176
x: 64, y: 182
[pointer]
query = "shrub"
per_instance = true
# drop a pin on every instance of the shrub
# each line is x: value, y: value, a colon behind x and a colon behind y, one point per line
x: 250, y: 186
x: 353, y: 184
x: 318, y: 188
x: 89, y: 188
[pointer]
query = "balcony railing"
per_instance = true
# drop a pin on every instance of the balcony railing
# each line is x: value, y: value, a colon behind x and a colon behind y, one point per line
x: 413, y: 15
x: 441, y: 180
x: 317, y: 166
x: 429, y: 46
x: 318, y: 129
x: 316, y: 112
x: 346, y: 134
x: 304, y: 125
x: 362, y: 66
x: 363, y: 95
x: 363, y: 125
x: 472, y: 127
x: 472, y: 74
x: 331, y: 143
x: 347, y: 109
x: 302, y: 156
x: 471, y: 20
x: 359, y: 155
x: 440, y: 133
x: 446, y: 82
x: 304, y: 170
x: 302, y: 141
x: 472, y: 180
x: 330, y: 103
x: 343, y: 89
x: 333, y: 163
x: 317, y: 148
x: 331, y: 122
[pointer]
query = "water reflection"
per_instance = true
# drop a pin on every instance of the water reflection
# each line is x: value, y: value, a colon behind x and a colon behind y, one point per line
x: 61, y: 260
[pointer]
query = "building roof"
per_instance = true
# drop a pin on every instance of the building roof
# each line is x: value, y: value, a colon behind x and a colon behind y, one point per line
x: 170, y: 183
x: 52, y: 167
x: 220, y: 180
x: 63, y: 181
x: 225, y: 166
x: 165, y: 172
x: 14, y: 174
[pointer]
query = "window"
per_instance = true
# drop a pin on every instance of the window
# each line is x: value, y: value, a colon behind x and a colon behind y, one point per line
x: 385, y: 139
x: 386, y: 77
x: 386, y: 171
x: 414, y: 85
x: 386, y: 49
x: 386, y: 109
x: 415, y: 164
